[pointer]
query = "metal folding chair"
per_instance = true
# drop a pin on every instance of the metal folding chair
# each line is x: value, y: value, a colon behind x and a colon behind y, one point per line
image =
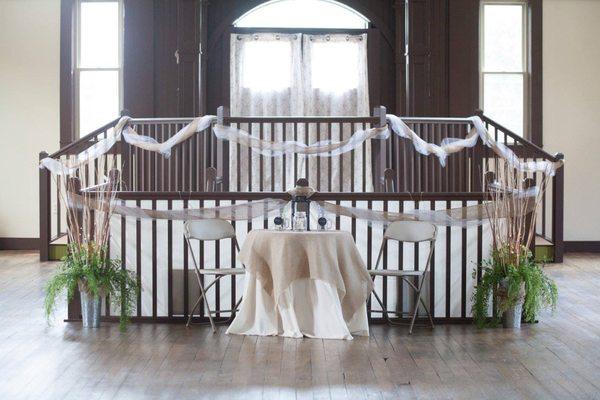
x: 211, y: 229
x: 407, y: 231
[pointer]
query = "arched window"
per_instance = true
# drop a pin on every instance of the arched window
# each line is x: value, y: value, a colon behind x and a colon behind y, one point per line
x: 322, y: 14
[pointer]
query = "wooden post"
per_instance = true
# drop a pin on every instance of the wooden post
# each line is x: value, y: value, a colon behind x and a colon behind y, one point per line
x: 389, y: 176
x: 125, y: 149
x: 378, y: 149
x: 45, y: 205
x: 222, y: 163
x: 477, y: 173
x: 488, y: 179
x: 74, y: 306
x: 529, y: 183
x: 558, y: 198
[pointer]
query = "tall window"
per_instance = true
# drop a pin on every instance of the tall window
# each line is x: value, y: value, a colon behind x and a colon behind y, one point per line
x: 299, y: 57
x: 504, y: 71
x: 98, y: 68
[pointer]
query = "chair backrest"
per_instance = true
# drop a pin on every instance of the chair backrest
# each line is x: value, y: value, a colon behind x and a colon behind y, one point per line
x: 209, y: 229
x: 411, y: 231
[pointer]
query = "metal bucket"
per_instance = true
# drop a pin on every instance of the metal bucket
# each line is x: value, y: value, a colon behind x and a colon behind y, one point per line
x: 91, y: 308
x: 512, y: 317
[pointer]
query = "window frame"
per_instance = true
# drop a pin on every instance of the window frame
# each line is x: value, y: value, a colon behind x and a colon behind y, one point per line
x: 525, y: 72
x: 77, y: 69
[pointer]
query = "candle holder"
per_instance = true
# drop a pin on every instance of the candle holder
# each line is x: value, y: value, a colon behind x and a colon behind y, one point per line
x: 301, y: 202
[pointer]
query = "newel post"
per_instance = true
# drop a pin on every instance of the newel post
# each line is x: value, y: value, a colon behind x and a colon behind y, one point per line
x: 378, y: 148
x: 74, y: 306
x: 222, y: 161
x: 125, y: 149
x: 558, y: 204
x: 44, y: 205
x: 529, y: 218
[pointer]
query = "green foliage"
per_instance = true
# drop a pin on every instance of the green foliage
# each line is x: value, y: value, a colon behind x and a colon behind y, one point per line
x: 505, y: 282
x: 89, y: 267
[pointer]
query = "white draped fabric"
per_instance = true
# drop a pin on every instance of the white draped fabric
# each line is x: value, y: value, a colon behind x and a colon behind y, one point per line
x: 298, y: 284
x: 299, y: 75
x: 308, y: 308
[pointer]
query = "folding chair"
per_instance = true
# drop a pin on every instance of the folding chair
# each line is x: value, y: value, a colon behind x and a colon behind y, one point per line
x: 407, y: 231
x: 211, y: 229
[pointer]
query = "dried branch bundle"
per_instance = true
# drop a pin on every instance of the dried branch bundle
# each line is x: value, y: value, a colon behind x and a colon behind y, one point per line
x: 87, y: 225
x: 513, y: 209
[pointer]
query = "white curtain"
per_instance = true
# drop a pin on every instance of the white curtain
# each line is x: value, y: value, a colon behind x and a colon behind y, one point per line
x: 300, y: 75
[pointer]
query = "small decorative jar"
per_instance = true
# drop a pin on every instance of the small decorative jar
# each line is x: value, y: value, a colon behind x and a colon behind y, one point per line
x: 300, y: 221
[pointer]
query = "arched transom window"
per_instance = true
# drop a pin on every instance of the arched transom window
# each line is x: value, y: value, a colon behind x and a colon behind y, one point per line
x: 322, y: 14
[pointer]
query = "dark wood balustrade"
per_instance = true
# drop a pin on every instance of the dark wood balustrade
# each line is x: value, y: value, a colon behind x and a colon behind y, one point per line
x: 198, y: 172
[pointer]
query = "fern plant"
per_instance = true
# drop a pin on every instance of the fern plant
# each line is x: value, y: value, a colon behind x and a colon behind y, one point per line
x: 88, y: 267
x: 505, y: 283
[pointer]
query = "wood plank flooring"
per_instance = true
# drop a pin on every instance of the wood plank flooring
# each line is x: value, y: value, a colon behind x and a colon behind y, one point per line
x: 555, y: 359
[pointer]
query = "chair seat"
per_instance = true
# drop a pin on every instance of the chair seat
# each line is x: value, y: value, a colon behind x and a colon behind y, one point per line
x: 222, y: 271
x: 394, y: 272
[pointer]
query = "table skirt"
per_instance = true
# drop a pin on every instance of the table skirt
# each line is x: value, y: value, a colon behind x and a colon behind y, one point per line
x: 308, y: 307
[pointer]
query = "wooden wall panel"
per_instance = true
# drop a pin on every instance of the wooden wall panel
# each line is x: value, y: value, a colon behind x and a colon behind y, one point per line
x: 165, y: 66
x: 155, y: 84
x: 67, y: 129
x: 419, y: 88
x: 138, y: 58
x: 188, y: 56
x: 463, y: 57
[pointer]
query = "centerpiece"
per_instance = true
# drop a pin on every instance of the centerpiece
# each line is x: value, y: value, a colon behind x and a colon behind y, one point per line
x: 512, y: 279
x: 87, y: 266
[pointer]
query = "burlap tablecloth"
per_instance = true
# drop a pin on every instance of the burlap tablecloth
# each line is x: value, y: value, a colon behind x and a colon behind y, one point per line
x: 278, y: 258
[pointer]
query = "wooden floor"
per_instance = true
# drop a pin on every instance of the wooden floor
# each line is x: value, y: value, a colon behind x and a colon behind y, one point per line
x: 555, y: 359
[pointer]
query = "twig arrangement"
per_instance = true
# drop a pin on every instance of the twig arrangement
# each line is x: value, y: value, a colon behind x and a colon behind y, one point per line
x: 513, y: 210
x: 86, y: 222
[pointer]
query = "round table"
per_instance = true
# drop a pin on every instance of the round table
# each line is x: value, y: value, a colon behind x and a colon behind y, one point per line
x: 310, y: 283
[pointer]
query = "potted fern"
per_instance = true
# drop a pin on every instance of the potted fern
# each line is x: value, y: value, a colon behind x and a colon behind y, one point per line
x: 519, y: 286
x: 87, y: 266
x: 512, y: 280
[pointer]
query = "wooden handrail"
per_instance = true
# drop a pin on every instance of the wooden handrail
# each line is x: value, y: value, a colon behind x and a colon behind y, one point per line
x: 84, y: 139
x: 312, y: 119
x: 306, y: 119
x: 328, y: 196
x: 520, y: 139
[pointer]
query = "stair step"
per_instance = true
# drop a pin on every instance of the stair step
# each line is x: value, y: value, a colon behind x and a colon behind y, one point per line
x: 544, y: 250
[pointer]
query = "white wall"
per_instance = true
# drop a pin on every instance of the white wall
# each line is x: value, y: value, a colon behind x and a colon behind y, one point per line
x: 29, y: 107
x: 572, y: 107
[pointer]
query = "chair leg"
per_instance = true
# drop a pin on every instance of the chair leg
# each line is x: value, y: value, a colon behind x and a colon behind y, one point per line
x: 234, y: 310
x: 208, y: 311
x: 189, y: 321
x: 427, y: 311
x: 416, y: 310
x: 418, y: 300
x: 384, y: 310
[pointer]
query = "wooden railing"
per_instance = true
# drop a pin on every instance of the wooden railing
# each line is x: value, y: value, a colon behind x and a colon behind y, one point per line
x: 206, y: 164
x: 155, y: 250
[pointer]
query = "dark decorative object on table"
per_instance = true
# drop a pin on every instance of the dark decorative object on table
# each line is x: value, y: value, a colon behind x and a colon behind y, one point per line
x: 300, y: 200
x: 322, y: 222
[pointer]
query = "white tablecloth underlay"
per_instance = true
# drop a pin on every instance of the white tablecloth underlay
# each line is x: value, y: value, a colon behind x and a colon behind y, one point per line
x: 312, y: 284
x: 312, y: 309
